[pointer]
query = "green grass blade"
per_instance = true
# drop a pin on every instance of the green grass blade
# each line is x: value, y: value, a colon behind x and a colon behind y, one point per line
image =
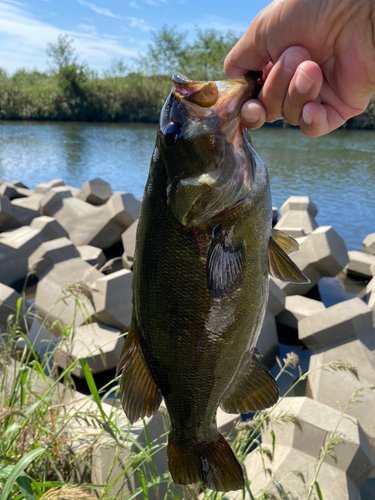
x: 143, y: 484
x: 92, y: 386
x: 318, y: 490
x: 18, y: 470
x: 25, y: 487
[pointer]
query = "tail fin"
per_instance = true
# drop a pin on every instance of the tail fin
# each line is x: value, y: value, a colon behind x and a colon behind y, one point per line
x: 214, y: 464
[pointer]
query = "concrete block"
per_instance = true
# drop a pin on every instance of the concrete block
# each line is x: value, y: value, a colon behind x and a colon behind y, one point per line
x: 7, y: 216
x: 276, y: 298
x: 289, y: 475
x: 53, y: 199
x: 40, y: 338
x: 318, y: 421
x: 298, y: 307
x: 49, y: 253
x: 100, y: 344
x: 92, y: 255
x: 124, y: 208
x: 128, y: 238
x: 26, y: 209
x: 268, y: 342
x: 8, y: 306
x: 19, y: 184
x: 50, y: 302
x: 334, y: 388
x: 372, y: 269
x: 49, y: 227
x: 96, y: 191
x: 297, y: 216
x: 113, y: 302
x: 368, y: 244
x: 15, y: 247
x: 335, y: 324
x: 326, y: 251
x: 359, y: 264
x: 46, y: 186
x: 11, y: 191
x: 99, y: 226
x: 369, y: 297
x: 294, y: 203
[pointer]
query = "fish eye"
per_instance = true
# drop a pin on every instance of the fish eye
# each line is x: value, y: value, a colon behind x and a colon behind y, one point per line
x: 171, y: 134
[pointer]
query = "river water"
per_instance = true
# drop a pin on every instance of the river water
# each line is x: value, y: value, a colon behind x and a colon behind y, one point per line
x: 336, y: 171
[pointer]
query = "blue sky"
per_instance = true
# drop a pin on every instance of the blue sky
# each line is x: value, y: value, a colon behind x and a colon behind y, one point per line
x: 105, y: 30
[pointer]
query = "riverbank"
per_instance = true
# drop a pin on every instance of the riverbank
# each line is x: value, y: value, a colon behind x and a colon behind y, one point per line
x: 129, y: 99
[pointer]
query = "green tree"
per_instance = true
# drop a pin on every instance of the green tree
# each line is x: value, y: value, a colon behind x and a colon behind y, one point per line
x: 166, y: 54
x: 69, y: 73
x: 205, y: 57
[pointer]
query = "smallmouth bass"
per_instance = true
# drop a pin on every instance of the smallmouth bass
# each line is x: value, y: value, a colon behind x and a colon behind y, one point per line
x: 204, y: 250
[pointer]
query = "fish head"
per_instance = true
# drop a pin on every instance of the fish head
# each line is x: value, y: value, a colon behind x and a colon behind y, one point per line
x: 203, y: 146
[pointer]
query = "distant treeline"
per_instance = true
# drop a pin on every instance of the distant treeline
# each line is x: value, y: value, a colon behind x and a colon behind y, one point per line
x: 71, y: 91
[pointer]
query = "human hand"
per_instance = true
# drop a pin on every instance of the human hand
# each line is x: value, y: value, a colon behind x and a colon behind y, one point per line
x: 318, y: 61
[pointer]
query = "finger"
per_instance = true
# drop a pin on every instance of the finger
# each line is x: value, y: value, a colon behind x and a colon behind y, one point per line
x: 319, y: 119
x: 277, y: 83
x: 253, y: 114
x: 304, y: 87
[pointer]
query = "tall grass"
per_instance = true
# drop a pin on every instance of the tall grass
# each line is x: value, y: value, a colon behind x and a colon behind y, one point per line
x: 51, y: 434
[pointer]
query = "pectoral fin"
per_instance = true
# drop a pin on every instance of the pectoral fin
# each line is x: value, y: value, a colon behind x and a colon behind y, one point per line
x: 254, y: 388
x: 286, y: 242
x: 281, y: 266
x: 225, y: 261
x: 139, y: 394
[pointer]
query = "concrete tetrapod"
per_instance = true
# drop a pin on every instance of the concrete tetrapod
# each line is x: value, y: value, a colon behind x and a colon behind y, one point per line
x: 92, y: 255
x: 49, y: 253
x: 8, y: 306
x: 268, y: 342
x: 15, y: 247
x: 298, y: 307
x: 368, y: 244
x: 298, y: 216
x: 359, y: 353
x: 52, y: 303
x: 359, y: 265
x: 99, y: 226
x: 100, y: 344
x: 96, y: 191
x: 113, y: 300
x: 335, y: 324
x: 297, y: 449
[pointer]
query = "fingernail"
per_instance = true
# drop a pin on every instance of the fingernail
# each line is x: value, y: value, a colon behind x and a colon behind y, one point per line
x: 306, y: 117
x: 303, y: 82
x: 251, y: 113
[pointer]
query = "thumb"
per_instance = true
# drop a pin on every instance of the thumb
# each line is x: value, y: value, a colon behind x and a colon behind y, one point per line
x: 246, y: 55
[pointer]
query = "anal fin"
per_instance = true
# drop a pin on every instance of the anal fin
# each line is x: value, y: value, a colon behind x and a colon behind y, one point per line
x: 254, y: 388
x: 140, y: 396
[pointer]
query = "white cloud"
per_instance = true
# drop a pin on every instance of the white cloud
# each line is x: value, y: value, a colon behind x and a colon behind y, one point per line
x: 134, y: 5
x: 89, y: 28
x: 155, y: 3
x: 24, y: 41
x: 99, y: 10
x: 217, y: 23
x: 135, y: 22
